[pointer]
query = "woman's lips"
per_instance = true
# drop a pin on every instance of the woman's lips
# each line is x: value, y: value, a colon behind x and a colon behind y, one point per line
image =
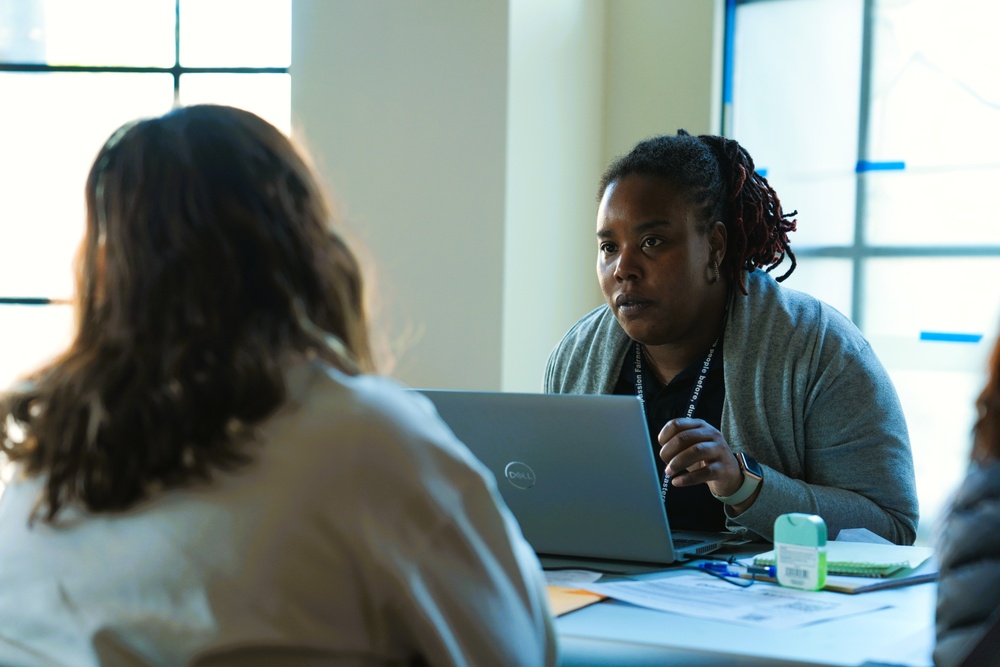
x: 630, y: 304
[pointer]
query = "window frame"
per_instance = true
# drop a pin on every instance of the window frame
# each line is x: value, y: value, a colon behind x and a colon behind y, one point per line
x: 860, y: 250
x: 176, y: 71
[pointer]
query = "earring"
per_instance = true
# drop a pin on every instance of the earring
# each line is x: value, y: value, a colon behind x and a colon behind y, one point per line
x: 714, y: 276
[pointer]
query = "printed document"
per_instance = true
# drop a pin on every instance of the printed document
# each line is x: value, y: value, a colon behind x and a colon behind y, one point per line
x: 762, y: 605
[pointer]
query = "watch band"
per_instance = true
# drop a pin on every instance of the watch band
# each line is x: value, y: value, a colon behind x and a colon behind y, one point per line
x: 750, y: 482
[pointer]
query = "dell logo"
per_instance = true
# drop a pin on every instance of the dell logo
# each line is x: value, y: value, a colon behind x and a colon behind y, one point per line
x: 520, y: 475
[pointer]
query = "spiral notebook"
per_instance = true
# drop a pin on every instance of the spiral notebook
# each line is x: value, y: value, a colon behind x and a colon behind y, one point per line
x: 861, y: 559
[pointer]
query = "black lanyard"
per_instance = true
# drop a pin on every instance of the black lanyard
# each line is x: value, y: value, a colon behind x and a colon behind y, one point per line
x: 692, y: 403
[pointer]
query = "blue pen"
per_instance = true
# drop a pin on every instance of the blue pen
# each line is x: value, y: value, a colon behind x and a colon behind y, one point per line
x: 766, y: 570
x: 725, y: 570
x: 718, y: 567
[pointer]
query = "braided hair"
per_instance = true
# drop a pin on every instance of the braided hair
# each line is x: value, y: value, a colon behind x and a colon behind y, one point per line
x: 718, y: 176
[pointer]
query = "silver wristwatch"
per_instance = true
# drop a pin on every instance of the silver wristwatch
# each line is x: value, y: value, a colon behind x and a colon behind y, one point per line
x: 752, y: 476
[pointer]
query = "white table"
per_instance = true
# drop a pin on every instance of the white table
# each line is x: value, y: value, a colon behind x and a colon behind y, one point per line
x: 623, y: 635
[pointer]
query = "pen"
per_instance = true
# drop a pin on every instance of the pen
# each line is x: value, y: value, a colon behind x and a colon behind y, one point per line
x: 766, y: 570
x: 725, y: 570
x: 718, y: 567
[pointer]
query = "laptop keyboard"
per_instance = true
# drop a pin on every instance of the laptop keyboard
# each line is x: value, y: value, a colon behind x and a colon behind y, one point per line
x: 684, y: 542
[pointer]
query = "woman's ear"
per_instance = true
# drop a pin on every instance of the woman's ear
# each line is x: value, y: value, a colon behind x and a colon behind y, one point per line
x: 718, y: 236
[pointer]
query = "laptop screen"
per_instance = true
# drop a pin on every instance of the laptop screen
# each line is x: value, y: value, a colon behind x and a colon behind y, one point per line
x: 577, y: 471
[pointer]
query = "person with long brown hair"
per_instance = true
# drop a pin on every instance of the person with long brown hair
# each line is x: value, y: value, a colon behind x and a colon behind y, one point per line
x: 968, y: 542
x: 760, y: 400
x: 211, y: 471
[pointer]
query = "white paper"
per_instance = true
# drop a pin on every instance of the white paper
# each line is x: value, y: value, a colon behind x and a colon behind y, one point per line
x: 571, y: 578
x: 762, y: 604
x: 860, y: 535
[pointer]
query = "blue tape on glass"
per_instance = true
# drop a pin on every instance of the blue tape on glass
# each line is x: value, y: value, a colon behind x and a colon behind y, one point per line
x: 869, y: 165
x: 946, y: 337
x: 728, y: 55
x: 761, y: 172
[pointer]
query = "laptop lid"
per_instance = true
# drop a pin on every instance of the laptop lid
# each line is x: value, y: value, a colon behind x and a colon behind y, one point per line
x: 577, y: 471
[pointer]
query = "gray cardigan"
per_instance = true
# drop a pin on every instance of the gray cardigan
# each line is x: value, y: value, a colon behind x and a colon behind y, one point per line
x: 805, y: 395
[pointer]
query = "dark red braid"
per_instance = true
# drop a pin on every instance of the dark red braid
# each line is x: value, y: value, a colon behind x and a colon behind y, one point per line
x: 758, y: 229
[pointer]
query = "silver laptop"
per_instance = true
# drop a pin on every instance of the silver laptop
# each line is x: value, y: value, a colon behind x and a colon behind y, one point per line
x: 577, y: 471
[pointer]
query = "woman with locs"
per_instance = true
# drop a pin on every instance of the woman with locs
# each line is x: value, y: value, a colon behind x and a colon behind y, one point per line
x: 760, y: 399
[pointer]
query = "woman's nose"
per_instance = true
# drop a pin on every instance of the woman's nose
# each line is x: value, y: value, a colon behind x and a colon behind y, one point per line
x: 626, y: 268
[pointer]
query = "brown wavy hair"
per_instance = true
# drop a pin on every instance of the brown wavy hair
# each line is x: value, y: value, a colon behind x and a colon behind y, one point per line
x: 986, y: 432
x: 209, y: 261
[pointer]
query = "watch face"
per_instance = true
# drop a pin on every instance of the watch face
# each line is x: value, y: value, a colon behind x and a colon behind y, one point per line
x: 751, y: 466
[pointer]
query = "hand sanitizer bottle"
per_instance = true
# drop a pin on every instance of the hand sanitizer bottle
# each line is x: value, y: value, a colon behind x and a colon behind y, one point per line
x: 800, y: 551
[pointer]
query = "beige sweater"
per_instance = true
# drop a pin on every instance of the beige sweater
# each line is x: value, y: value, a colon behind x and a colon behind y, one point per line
x: 363, y: 534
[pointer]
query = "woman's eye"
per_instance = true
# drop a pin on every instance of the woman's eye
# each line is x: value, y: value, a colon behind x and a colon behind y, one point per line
x: 651, y: 242
x: 608, y: 248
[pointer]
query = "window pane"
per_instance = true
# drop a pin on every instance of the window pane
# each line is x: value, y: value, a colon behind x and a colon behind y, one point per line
x: 905, y: 298
x: 934, y: 75
x: 267, y: 95
x: 796, y: 84
x: 48, y: 147
x: 935, y: 109
x: 32, y: 335
x: 826, y: 279
x: 21, y: 35
x: 95, y: 32
x: 940, y: 410
x: 236, y: 33
x: 924, y: 318
x: 932, y: 207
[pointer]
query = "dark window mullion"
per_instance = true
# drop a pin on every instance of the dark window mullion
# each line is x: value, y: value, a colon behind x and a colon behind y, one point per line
x: 177, y: 52
x: 32, y: 301
x: 128, y: 69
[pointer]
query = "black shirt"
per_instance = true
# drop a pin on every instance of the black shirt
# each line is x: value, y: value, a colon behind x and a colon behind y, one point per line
x: 688, y: 507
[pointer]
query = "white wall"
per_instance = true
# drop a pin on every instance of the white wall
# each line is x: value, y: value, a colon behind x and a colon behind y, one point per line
x: 664, y: 69
x: 554, y: 159
x: 403, y: 105
x: 463, y: 141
